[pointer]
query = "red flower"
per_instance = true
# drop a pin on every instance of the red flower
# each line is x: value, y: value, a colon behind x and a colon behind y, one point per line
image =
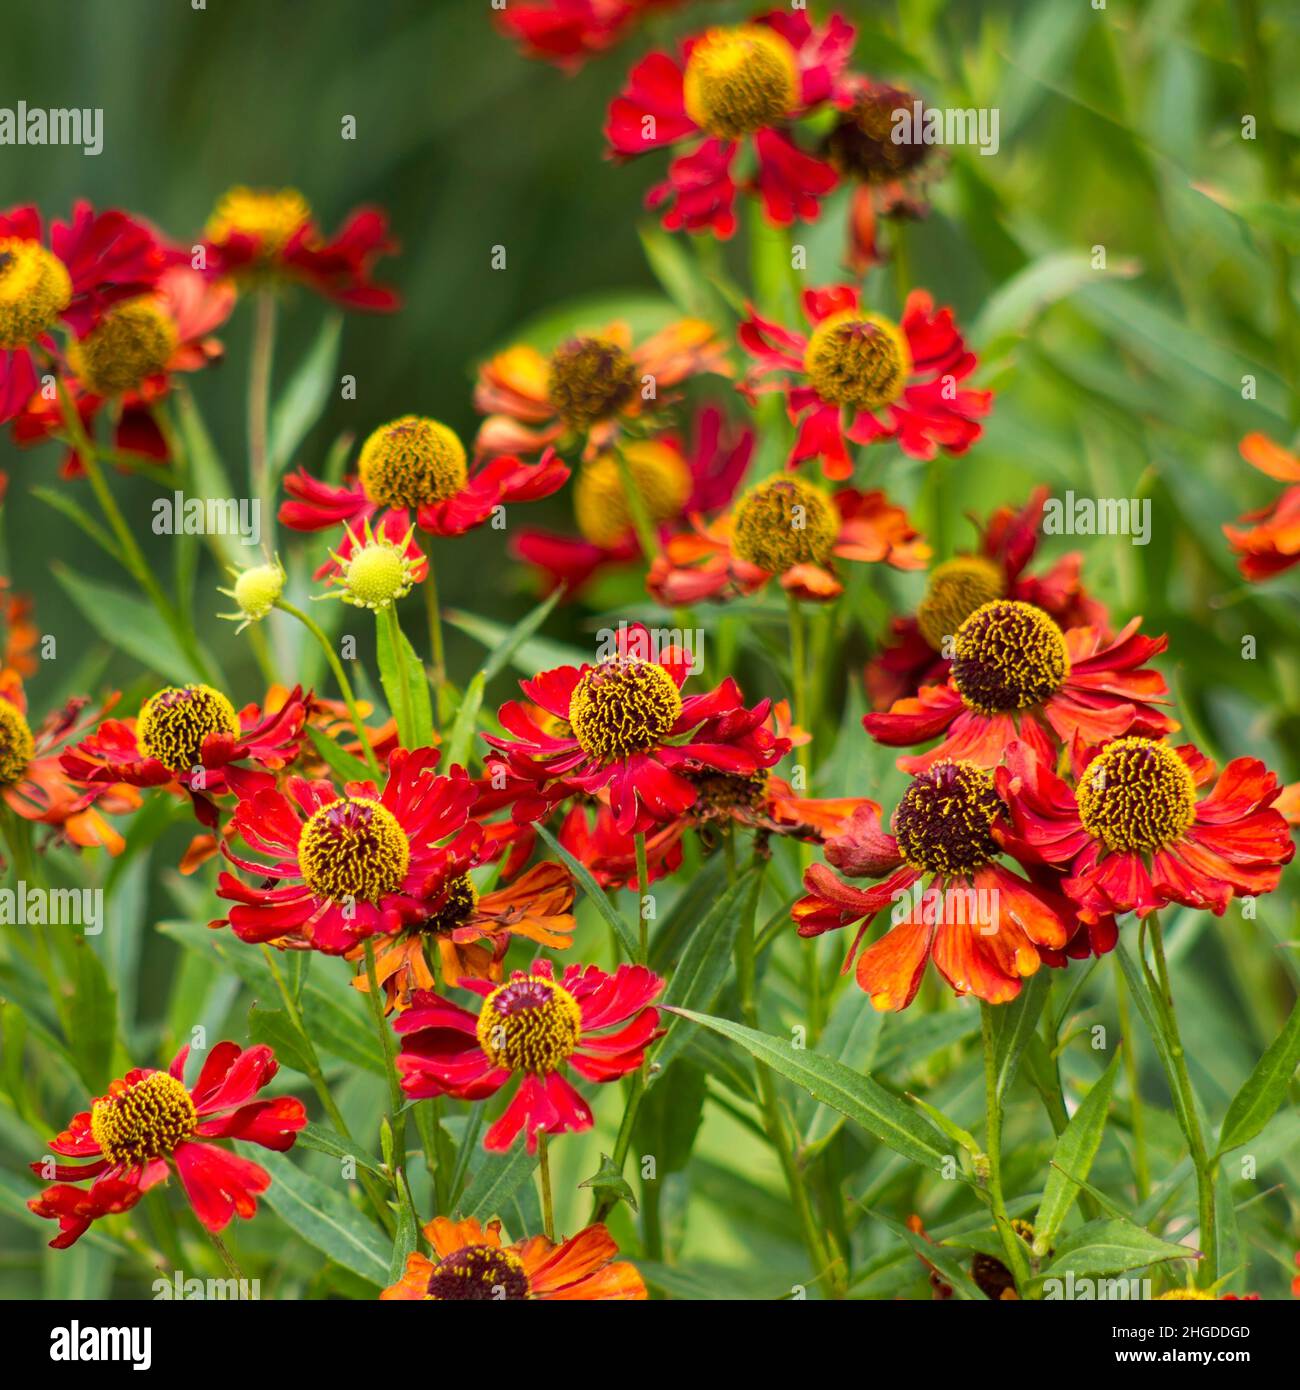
x: 128, y: 359
x: 731, y: 85
x: 352, y: 866
x: 1271, y: 544
x: 956, y: 588
x: 1015, y: 674
x: 264, y: 236
x: 981, y: 924
x: 537, y: 1028
x: 568, y: 32
x: 416, y: 465
x: 672, y: 487
x: 858, y: 376
x: 1132, y: 835
x: 191, y: 738
x: 624, y: 725
x: 150, y: 1121
x: 472, y: 1263
x: 590, y: 834
x: 91, y: 263
x: 787, y: 527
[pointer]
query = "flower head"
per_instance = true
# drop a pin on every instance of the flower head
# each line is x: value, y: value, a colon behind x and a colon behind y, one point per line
x: 150, y: 1123
x: 858, y: 377
x: 535, y: 1027
x: 375, y: 571
x: 256, y: 591
x: 1267, y: 541
x: 471, y: 1262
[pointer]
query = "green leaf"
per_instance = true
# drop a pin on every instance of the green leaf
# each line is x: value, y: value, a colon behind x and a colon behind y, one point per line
x: 496, y: 1180
x: 460, y: 738
x: 1013, y: 1026
x: 62, y: 502
x: 858, y: 1097
x: 420, y: 734
x: 339, y: 761
x: 1010, y: 310
x: 322, y: 1140
x: 275, y: 1028
x: 93, y: 1016
x: 305, y: 396
x: 324, y: 1218
x: 1154, y: 1020
x: 530, y: 656
x: 608, y: 1178
x: 1111, y: 1247
x: 704, y: 963
x: 1265, y: 1089
x: 593, y: 890
x: 1075, y: 1150
x: 405, y: 1239
x: 522, y: 632
x: 207, y: 471
x: 949, y: 1266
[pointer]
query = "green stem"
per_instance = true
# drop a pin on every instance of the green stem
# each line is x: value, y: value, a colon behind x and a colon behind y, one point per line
x: 340, y: 678
x: 436, y: 647
x: 404, y: 711
x: 544, y: 1169
x: 643, y: 883
x: 1180, y: 1083
x: 1141, y: 1164
x: 604, y: 1205
x: 396, y: 1116
x: 641, y: 523
x: 259, y: 398
x: 1014, y: 1247
x: 226, y: 1257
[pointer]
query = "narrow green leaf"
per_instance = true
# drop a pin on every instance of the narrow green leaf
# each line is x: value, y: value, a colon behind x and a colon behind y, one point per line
x: 460, y: 738
x: 420, y: 735
x: 62, y: 502
x: 305, y: 396
x: 275, y: 1028
x: 496, y: 1180
x: 609, y: 1178
x: 949, y: 1266
x: 339, y: 761
x: 323, y: 1140
x: 1265, y: 1088
x: 1111, y: 1247
x: 93, y: 1015
x: 1013, y: 1026
x: 593, y: 890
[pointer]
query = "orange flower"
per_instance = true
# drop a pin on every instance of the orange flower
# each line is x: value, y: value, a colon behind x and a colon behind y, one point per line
x: 589, y: 388
x: 1272, y: 542
x: 470, y: 1262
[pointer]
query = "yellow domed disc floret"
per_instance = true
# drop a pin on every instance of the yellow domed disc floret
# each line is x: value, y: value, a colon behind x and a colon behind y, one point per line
x: 174, y: 723
x: 378, y: 571
x: 479, y: 1273
x: 412, y: 461
x: 942, y: 821
x: 739, y: 80
x: 600, y: 504
x: 269, y: 216
x: 783, y: 522
x: 131, y: 343
x: 623, y: 706
x: 858, y: 360
x: 1008, y: 656
x: 353, y: 849
x: 255, y: 593
x: 134, y: 1124
x: 17, y: 748
x: 35, y: 288
x: 590, y: 379
x: 1136, y: 794
x: 956, y: 589
x: 530, y: 1024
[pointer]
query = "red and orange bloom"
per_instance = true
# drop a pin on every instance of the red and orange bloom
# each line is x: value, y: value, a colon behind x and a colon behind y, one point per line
x: 731, y: 85
x: 858, y: 377
x: 590, y: 834
x: 150, y: 1122
x: 1267, y: 541
x: 956, y: 588
x: 415, y: 469
x: 91, y: 262
x: 1133, y: 833
x: 33, y: 781
x: 672, y: 488
x: 261, y: 237
x: 624, y: 727
x: 128, y: 360
x: 191, y: 738
x: 536, y: 1028
x: 347, y: 867
x: 568, y: 32
x: 943, y: 833
x: 471, y: 1261
x: 786, y: 527
x: 1015, y: 674
x: 471, y: 932
x: 590, y: 388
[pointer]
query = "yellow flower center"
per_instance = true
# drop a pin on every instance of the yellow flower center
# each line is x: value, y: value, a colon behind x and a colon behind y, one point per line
x: 144, y: 1121
x: 858, y: 360
x: 412, y: 461
x: 942, y: 821
x: 530, y: 1025
x: 1136, y: 794
x: 377, y: 574
x: 132, y: 342
x: 590, y: 380
x: 35, y: 288
x: 717, y: 792
x: 1008, y: 656
x: 269, y: 216
x: 623, y: 706
x: 353, y: 849
x: 956, y: 589
x: 174, y: 723
x: 785, y: 521
x: 17, y: 748
x: 600, y: 504
x: 462, y: 899
x: 479, y: 1272
x: 1199, y: 1295
x: 739, y: 80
